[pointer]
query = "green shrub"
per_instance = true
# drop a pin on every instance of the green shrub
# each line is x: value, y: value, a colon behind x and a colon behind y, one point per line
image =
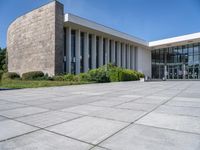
x: 68, y: 77
x: 33, y: 75
x: 1, y: 73
x: 58, y: 78
x: 141, y: 75
x: 128, y: 75
x: 114, y: 74
x: 10, y: 75
x: 84, y: 77
x: 99, y: 75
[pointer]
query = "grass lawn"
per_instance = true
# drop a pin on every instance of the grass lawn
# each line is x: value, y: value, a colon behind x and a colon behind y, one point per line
x: 18, y: 84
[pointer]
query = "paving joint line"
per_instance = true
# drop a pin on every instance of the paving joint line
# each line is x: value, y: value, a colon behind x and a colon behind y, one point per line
x: 136, y: 119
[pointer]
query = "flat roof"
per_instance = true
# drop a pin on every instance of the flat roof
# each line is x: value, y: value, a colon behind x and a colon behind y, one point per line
x: 95, y: 26
x: 185, y: 38
x: 99, y: 27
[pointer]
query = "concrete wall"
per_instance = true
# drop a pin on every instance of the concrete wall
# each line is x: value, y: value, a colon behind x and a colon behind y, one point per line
x: 143, y: 60
x: 35, y: 41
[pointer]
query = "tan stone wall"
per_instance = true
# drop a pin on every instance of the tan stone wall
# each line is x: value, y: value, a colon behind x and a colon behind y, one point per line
x: 35, y: 41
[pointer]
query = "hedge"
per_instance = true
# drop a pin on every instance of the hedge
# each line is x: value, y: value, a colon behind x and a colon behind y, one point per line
x: 99, y: 75
x: 33, y: 75
x: 1, y: 73
x: 10, y: 75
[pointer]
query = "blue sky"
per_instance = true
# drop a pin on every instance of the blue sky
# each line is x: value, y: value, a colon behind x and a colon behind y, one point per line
x: 146, y: 19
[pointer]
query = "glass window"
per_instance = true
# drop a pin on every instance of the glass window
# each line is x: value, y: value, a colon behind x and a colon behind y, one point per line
x: 110, y: 51
x: 90, y: 51
x: 116, y: 47
x: 73, y: 54
x: 97, y: 52
x: 82, y: 53
x: 190, y: 50
x: 196, y: 49
x: 104, y: 51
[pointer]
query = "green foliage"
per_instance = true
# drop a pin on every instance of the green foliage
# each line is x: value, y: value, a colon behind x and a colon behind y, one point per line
x: 69, y: 77
x: 34, y: 75
x: 3, y: 60
x: 1, y: 73
x: 141, y: 75
x: 99, y: 75
x: 114, y: 74
x: 58, y: 78
x: 84, y: 77
x: 128, y: 75
x: 10, y: 75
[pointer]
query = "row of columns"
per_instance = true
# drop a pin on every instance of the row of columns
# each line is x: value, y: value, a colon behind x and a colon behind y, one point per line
x: 125, y: 53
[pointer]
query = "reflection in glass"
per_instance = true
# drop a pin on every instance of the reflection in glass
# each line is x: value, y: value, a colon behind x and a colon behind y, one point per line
x: 182, y: 62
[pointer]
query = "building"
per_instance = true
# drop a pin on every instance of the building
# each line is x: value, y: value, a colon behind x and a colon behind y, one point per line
x: 48, y: 40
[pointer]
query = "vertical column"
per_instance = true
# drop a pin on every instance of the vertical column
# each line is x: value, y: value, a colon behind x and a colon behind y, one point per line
x: 113, y: 51
x: 132, y: 57
x: 68, y: 50
x: 123, y: 56
x: 100, y: 51
x: 86, y: 51
x: 118, y: 54
x: 128, y: 57
x: 78, y: 40
x: 107, y: 51
x: 94, y: 50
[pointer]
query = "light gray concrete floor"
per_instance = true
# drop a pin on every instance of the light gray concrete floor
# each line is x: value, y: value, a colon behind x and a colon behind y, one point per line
x: 111, y: 116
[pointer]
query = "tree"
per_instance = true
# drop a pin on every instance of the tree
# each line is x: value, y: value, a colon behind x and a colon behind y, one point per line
x: 3, y: 59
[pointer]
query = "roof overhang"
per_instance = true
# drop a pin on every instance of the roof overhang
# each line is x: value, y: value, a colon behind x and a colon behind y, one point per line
x: 98, y: 27
x: 175, y: 41
x: 169, y: 42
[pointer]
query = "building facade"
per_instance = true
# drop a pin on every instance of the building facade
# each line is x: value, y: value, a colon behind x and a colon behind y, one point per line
x: 48, y: 40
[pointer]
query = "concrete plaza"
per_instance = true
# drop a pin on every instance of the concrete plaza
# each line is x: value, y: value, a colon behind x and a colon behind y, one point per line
x: 110, y: 116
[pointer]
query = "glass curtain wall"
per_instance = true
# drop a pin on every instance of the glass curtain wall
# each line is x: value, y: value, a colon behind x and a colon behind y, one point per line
x: 180, y: 62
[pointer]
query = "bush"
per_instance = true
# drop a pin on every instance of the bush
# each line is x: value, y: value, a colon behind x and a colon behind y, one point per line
x: 84, y: 77
x: 128, y: 75
x: 58, y: 78
x: 114, y: 74
x: 10, y: 75
x: 1, y: 73
x: 99, y: 75
x: 141, y: 75
x: 68, y: 77
x: 33, y: 75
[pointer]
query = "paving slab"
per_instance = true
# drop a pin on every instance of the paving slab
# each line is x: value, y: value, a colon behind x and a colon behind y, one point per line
x: 118, y: 114
x: 46, y: 119
x: 188, y: 99
x: 150, y: 100
x: 43, y: 140
x: 19, y: 112
x: 11, y: 128
x: 183, y: 103
x: 4, y: 102
x: 107, y: 103
x: 175, y: 122
x: 99, y: 148
x: 88, y: 129
x: 139, y: 137
x: 187, y: 111
x: 83, y: 109
x: 137, y: 106
x: 58, y: 105
x: 37, y: 102
x: 8, y: 106
x: 2, y: 118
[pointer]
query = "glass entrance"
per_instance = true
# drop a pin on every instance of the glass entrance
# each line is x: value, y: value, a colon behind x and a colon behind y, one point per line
x: 180, y: 62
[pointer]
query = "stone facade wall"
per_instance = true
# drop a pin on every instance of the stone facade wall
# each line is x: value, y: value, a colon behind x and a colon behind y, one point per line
x: 35, y: 41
